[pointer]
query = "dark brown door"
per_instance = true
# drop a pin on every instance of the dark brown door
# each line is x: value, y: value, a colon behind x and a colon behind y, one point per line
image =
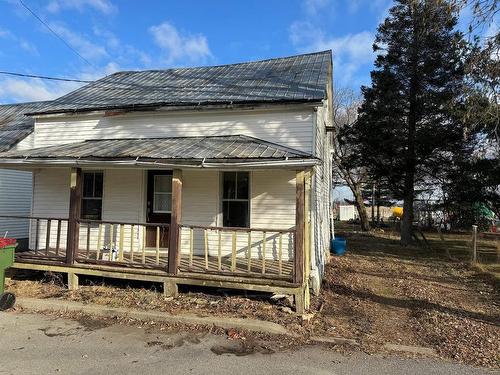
x: 159, y: 206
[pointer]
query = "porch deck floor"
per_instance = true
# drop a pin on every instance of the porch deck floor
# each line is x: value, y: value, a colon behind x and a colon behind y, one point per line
x: 198, y: 265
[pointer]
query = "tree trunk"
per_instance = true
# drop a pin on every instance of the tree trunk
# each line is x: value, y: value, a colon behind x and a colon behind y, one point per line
x: 409, y: 179
x: 378, y: 204
x: 407, y: 222
x: 360, y: 206
x: 373, y: 204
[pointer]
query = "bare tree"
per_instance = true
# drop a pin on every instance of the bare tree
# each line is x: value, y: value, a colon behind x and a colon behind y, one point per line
x: 345, y: 111
x: 483, y: 68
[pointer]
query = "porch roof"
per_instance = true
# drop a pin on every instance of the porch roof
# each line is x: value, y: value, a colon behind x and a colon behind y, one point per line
x: 211, y: 151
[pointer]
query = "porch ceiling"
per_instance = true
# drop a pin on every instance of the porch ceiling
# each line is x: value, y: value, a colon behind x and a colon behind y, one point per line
x: 191, y: 151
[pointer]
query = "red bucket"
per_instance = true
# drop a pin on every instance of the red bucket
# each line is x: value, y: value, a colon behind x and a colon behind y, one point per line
x: 7, y: 242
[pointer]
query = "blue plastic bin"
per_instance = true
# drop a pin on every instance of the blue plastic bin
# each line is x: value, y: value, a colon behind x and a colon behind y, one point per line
x: 339, y: 246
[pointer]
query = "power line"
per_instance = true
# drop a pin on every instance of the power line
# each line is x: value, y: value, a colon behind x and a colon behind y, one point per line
x: 55, y: 33
x: 44, y: 77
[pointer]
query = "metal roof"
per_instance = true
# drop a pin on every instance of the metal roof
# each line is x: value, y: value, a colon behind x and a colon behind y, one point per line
x: 301, y: 78
x: 210, y: 149
x: 14, y: 125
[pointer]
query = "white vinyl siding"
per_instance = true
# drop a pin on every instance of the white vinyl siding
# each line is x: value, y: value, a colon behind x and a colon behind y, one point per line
x: 289, y: 128
x: 123, y: 196
x: 123, y: 200
x: 321, y: 194
x: 15, y: 199
x: 272, y: 205
x: 50, y: 199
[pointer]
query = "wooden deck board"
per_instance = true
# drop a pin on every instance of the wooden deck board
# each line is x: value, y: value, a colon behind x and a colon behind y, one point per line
x: 198, y: 263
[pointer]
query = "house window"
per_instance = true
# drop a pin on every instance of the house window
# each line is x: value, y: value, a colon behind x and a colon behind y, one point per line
x: 236, y: 199
x: 162, y: 198
x: 92, y: 196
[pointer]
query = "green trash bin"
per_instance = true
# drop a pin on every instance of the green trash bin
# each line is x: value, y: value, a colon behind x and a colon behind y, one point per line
x: 7, y: 249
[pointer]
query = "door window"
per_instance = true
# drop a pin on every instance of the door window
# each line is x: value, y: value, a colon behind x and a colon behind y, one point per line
x: 162, y: 194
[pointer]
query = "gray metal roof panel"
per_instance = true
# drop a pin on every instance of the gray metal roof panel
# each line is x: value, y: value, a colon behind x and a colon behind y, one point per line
x: 182, y: 148
x: 14, y: 125
x: 299, y: 78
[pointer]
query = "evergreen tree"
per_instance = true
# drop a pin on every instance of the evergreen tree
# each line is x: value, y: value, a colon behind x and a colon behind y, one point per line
x: 406, y: 129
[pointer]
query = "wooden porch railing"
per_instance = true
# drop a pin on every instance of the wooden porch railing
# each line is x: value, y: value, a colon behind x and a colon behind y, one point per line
x: 265, y: 252
x: 127, y: 244
x: 102, y: 242
x: 46, y: 234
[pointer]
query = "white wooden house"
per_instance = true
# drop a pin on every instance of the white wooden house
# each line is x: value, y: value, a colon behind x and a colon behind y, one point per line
x: 213, y: 175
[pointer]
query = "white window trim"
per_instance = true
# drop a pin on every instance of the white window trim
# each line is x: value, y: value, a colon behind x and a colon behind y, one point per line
x: 93, y: 198
x: 221, y: 199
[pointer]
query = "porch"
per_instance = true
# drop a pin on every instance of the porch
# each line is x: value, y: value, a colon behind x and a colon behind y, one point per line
x: 263, y: 255
x: 230, y: 214
x: 175, y: 253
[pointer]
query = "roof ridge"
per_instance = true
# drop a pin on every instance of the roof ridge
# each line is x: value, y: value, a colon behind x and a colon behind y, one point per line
x: 324, y: 52
x: 26, y: 103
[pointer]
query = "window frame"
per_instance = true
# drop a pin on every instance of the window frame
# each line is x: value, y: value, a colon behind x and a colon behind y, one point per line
x: 248, y: 200
x: 92, y: 198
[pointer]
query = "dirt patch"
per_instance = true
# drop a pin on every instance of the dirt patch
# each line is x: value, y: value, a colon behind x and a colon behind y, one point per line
x: 201, y: 304
x: 383, y: 293
x: 378, y: 293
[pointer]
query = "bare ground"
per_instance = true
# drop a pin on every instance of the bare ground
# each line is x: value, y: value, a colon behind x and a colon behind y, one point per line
x: 378, y: 293
x: 382, y: 293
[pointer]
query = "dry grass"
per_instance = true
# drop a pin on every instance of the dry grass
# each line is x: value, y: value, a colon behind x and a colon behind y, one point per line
x: 378, y: 293
x: 381, y: 292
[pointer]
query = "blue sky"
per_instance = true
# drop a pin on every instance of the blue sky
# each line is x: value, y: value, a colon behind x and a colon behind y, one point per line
x: 128, y: 35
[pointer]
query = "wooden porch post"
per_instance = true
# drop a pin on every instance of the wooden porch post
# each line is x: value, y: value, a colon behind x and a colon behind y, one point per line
x: 298, y: 274
x: 175, y: 221
x: 75, y: 202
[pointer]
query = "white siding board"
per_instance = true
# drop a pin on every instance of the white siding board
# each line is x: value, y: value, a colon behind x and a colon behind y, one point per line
x: 123, y: 200
x: 290, y: 128
x: 50, y: 199
x: 15, y: 199
x: 272, y: 206
x: 321, y: 194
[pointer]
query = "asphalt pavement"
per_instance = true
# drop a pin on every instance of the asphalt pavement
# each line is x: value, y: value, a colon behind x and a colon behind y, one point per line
x: 38, y: 344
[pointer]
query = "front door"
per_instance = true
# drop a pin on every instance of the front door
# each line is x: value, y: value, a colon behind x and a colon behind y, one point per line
x: 159, y: 206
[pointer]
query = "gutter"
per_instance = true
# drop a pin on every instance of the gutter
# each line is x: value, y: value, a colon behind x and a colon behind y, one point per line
x: 202, y: 164
x: 177, y: 106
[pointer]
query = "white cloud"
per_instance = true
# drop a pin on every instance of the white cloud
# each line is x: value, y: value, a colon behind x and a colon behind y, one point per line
x: 5, y: 34
x: 32, y: 89
x: 312, y: 7
x: 180, y: 47
x: 84, y: 46
x: 21, y: 43
x: 378, y: 6
x: 103, y: 6
x: 357, y: 47
x: 25, y: 90
x: 350, y: 51
x: 126, y: 54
